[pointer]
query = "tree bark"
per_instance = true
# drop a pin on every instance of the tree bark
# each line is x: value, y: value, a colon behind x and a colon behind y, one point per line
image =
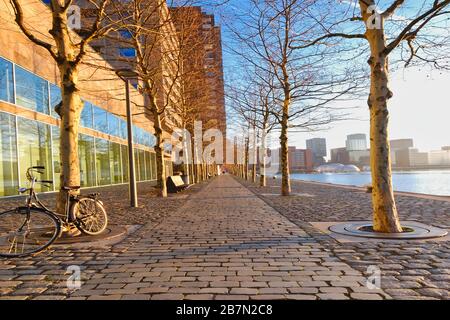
x: 70, y: 112
x: 159, y: 150
x: 385, y: 215
x: 285, y: 181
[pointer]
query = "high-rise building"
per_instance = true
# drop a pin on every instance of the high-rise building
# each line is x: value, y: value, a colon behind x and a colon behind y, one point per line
x: 356, y: 142
x: 203, y: 64
x: 399, y: 144
x: 340, y: 155
x: 318, y: 146
x: 300, y: 159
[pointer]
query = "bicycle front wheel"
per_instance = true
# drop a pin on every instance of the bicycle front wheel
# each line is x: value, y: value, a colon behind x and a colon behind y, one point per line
x: 89, y: 216
x: 26, y: 231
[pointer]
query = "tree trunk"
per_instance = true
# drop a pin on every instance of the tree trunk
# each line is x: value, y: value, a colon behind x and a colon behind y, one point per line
x: 262, y: 159
x: 254, y: 155
x: 246, y: 156
x: 160, y: 165
x: 69, y: 112
x: 285, y: 181
x: 385, y: 216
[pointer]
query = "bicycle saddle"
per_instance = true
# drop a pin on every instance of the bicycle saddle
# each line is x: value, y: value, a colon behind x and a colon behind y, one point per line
x: 71, y: 188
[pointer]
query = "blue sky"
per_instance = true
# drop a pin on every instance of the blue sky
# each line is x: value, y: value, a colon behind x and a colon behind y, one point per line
x: 419, y: 109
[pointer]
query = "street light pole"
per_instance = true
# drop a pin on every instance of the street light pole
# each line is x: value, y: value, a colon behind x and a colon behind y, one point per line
x: 126, y: 74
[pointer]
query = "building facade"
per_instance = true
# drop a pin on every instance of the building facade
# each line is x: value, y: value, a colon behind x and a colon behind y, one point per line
x: 29, y: 126
x: 203, y: 65
x: 318, y: 146
x: 300, y: 159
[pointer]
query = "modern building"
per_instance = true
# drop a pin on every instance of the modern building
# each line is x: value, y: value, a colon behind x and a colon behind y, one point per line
x: 356, y: 142
x: 300, y: 159
x: 203, y: 64
x: 411, y: 157
x: 318, y: 146
x: 29, y: 126
x: 440, y: 157
x: 340, y: 155
x: 399, y: 144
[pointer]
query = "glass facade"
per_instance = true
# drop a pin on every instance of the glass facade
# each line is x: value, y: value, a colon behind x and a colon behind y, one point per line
x: 27, y: 142
x: 6, y: 81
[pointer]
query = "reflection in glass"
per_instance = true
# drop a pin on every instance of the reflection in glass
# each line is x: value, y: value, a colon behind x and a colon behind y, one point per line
x: 116, y: 164
x: 153, y: 164
x: 125, y: 169
x: 56, y: 157
x: 6, y: 81
x: 113, y: 125
x: 100, y: 119
x: 148, y: 165
x: 141, y: 167
x: 55, y: 99
x: 31, y: 91
x: 86, y: 153
x: 86, y: 119
x: 103, y: 163
x: 34, y: 149
x: 8, y: 155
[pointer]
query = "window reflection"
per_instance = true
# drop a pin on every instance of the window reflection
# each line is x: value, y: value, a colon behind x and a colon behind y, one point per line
x: 8, y: 155
x: 31, y: 91
x: 86, y: 152
x: 103, y: 163
x: 6, y: 81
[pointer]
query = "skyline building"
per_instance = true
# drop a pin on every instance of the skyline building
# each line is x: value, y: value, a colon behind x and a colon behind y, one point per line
x: 318, y: 146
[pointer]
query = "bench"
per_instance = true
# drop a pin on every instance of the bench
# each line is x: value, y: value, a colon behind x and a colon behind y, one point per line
x: 176, y: 184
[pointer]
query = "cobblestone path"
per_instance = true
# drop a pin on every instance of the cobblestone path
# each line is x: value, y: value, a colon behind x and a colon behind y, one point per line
x: 226, y: 243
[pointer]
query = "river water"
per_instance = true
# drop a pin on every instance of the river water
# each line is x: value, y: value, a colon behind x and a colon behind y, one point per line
x: 435, y: 182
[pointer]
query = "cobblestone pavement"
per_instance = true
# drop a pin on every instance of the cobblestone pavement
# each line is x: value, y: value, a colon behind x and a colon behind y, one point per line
x: 223, y: 243
x: 410, y: 269
x: 45, y: 276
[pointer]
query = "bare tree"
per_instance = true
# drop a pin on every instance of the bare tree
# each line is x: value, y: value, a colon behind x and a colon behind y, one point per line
x: 303, y: 81
x: 423, y: 32
x: 68, y: 49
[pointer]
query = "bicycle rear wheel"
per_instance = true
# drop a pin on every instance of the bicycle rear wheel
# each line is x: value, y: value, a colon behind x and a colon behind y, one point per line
x: 89, y: 216
x: 26, y: 231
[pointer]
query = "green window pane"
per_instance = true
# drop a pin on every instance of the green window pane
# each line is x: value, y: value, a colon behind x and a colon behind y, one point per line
x: 6, y: 81
x: 116, y: 163
x: 125, y: 169
x: 31, y: 91
x: 87, y: 161
x: 8, y: 157
x: 34, y: 149
x: 153, y: 164
x: 56, y: 158
x: 148, y: 166
x: 136, y: 164
x: 141, y: 167
x: 103, y: 163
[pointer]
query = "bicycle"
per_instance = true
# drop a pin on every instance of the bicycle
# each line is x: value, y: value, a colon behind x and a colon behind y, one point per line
x: 30, y: 229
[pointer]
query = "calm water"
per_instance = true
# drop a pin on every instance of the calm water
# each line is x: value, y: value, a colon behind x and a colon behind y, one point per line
x: 436, y: 182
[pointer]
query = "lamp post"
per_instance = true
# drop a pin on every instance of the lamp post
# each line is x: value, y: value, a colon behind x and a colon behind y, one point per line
x: 126, y: 75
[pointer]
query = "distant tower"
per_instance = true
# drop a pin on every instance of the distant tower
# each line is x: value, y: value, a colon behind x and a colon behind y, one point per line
x: 356, y: 142
x: 318, y: 146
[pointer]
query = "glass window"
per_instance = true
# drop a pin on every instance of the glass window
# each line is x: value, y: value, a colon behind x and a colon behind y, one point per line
x: 103, y: 163
x: 55, y: 99
x: 86, y: 116
x: 8, y: 155
x: 125, y: 34
x: 125, y: 169
x: 141, y: 167
x: 100, y: 119
x: 6, y: 81
x: 136, y: 164
x: 31, y: 91
x: 113, y: 125
x: 153, y: 165
x: 34, y: 149
x: 127, y: 52
x: 116, y: 163
x: 87, y: 161
x: 148, y: 166
x: 56, y: 157
x: 123, y: 129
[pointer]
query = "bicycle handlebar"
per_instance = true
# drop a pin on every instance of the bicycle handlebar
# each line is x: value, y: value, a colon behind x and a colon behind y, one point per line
x: 45, y: 181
